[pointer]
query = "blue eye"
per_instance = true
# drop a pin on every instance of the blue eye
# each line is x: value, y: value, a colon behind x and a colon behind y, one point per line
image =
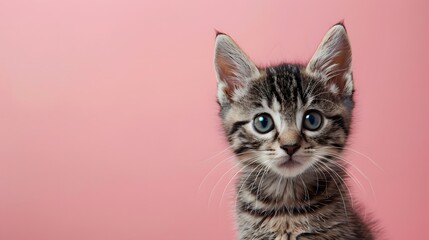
x: 263, y: 123
x: 312, y: 120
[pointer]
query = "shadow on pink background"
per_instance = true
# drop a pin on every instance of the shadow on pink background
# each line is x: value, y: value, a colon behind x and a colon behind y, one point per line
x: 108, y: 120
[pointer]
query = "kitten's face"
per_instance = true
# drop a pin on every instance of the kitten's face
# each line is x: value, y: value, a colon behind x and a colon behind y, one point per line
x: 287, y: 118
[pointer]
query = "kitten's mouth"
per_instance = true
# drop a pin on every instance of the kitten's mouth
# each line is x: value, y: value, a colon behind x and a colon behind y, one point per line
x: 288, y: 162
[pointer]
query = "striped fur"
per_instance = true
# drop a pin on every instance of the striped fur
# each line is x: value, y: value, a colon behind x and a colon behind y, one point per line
x: 310, y: 199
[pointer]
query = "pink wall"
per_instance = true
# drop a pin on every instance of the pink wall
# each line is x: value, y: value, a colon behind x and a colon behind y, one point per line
x: 108, y: 117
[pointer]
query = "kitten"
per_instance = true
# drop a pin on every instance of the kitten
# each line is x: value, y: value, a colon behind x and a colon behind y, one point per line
x: 287, y: 125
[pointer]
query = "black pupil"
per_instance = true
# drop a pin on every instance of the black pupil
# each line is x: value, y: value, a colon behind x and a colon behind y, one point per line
x: 311, y: 119
x: 264, y: 121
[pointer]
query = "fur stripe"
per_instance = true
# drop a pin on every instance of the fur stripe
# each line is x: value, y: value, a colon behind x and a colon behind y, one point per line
x: 339, y: 121
x: 287, y: 210
x: 272, y: 78
x: 299, y: 85
x: 236, y: 126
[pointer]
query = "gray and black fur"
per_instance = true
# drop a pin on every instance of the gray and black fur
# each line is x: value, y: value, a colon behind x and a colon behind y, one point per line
x: 285, y: 195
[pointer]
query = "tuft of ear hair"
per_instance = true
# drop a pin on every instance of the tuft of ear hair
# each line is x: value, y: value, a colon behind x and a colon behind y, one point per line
x: 234, y: 69
x: 332, y: 61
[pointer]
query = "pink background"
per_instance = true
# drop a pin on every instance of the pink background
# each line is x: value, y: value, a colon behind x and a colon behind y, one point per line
x: 108, y: 120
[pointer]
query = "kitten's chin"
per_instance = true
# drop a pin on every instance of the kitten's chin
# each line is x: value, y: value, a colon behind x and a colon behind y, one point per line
x: 291, y: 167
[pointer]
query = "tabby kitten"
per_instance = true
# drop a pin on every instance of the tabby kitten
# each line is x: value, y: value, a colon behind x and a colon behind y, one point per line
x: 287, y: 125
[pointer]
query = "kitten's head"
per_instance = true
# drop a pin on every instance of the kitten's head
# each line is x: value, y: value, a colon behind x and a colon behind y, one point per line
x: 288, y: 118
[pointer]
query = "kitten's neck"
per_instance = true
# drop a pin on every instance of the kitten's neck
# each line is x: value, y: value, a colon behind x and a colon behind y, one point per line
x: 294, y: 192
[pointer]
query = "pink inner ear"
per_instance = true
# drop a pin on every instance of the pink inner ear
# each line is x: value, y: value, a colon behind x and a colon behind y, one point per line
x: 333, y: 58
x: 227, y: 75
x: 233, y: 66
x: 336, y: 76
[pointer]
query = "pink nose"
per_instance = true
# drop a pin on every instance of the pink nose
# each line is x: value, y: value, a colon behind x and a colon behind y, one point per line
x: 291, y: 149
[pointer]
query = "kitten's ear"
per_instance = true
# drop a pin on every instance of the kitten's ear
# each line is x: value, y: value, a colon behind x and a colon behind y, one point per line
x: 332, y: 61
x: 233, y: 68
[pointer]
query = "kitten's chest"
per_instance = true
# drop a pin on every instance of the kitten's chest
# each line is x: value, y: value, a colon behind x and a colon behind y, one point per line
x: 284, y: 227
x: 288, y: 227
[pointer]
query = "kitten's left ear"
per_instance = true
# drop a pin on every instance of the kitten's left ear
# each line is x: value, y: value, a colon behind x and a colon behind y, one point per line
x: 332, y: 61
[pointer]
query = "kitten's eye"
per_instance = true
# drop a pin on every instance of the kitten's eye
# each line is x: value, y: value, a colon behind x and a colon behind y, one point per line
x: 263, y: 123
x: 312, y: 120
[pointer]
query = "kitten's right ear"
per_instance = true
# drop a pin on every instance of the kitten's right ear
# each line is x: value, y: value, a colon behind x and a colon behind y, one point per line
x: 233, y: 68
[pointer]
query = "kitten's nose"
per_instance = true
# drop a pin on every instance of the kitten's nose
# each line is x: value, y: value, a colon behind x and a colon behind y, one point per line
x: 291, y: 149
